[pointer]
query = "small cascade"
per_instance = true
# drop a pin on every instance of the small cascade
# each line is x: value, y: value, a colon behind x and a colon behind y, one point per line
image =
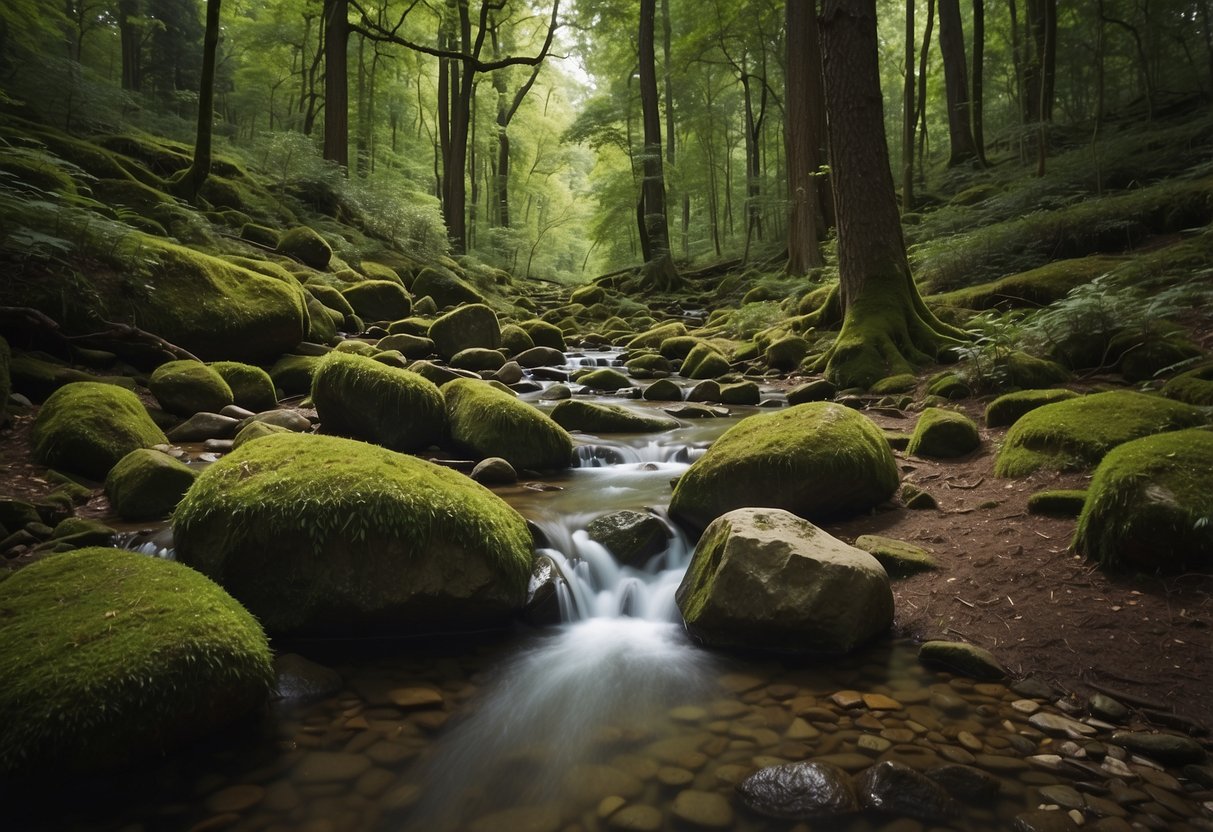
x: 607, y: 453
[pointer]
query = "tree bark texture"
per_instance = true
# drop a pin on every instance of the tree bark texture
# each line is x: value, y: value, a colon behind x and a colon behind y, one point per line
x: 909, y: 121
x: 956, y: 83
x: 336, y: 83
x: 659, y: 269
x: 804, y: 250
x: 192, y: 180
x: 979, y: 59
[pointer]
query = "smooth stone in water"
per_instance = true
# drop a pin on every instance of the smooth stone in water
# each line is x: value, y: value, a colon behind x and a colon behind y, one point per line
x: 1171, y: 749
x: 966, y: 783
x: 494, y: 471
x: 800, y: 791
x: 636, y: 819
x: 555, y: 393
x: 202, y: 426
x: 418, y: 697
x: 329, y: 767
x: 703, y: 810
x: 964, y: 659
x: 897, y: 789
x: 1067, y: 797
x: 288, y: 419
x: 1056, y: 724
x: 519, y: 819
x: 1044, y: 821
x: 302, y: 680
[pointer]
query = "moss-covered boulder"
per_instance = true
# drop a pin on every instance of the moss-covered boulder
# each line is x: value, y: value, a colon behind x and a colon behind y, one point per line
x: 365, y: 399
x: 943, y: 434
x: 515, y: 340
x: 252, y: 388
x: 574, y: 414
x: 898, y: 557
x: 108, y: 656
x: 740, y: 392
x: 632, y: 537
x: 1076, y: 433
x: 678, y: 347
x: 787, y: 353
x: 445, y: 289
x: 189, y: 387
x: 410, y: 346
x: 262, y: 235
x: 379, y: 300
x: 651, y: 339
x: 764, y: 579
x: 147, y: 484
x: 36, y: 377
x: 704, y: 361
x: 540, y: 357
x: 477, y: 359
x: 293, y: 373
x: 215, y: 309
x: 544, y: 334
x: 604, y: 380
x: 962, y: 659
x: 1006, y: 409
x: 900, y: 383
x: 87, y: 427
x: 1150, y: 505
x: 475, y: 325
x: 330, y: 297
x: 649, y: 365
x: 307, y: 246
x: 663, y: 390
x: 256, y: 429
x: 1144, y: 359
x: 322, y: 323
x: 588, y: 295
x: 487, y: 422
x: 320, y: 535
x: 1192, y: 387
x: 817, y: 460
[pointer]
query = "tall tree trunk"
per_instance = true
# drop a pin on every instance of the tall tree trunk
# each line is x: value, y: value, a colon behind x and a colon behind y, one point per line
x: 1040, y: 72
x: 131, y: 37
x: 923, y: 54
x: 336, y: 85
x: 886, y: 326
x: 909, y: 116
x: 659, y: 270
x: 979, y: 58
x: 192, y: 180
x: 956, y: 83
x: 804, y: 249
x: 362, y: 148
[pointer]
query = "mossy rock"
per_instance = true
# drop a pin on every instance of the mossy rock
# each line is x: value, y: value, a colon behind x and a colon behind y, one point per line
x: 1144, y: 359
x: 36, y: 378
x: 475, y: 325
x: 949, y: 385
x: 1018, y: 369
x: 1008, y: 408
x: 445, y: 289
x: 189, y: 387
x: 322, y: 322
x: 379, y: 300
x: 293, y: 373
x: 477, y: 359
x: 812, y: 391
x: 1031, y: 289
x: 588, y: 295
x: 109, y: 656
x: 354, y: 346
x: 307, y: 246
x: 330, y: 297
x: 704, y: 361
x: 488, y: 422
x: 81, y: 532
x: 87, y: 427
x: 662, y: 390
x: 6, y: 381
x: 319, y: 535
x: 649, y: 365
x: 1057, y: 503
x: 147, y: 484
x: 410, y: 346
x: 815, y: 460
x: 741, y: 392
x: 705, y: 391
x: 410, y: 326
x: 1150, y: 505
x: 35, y: 173
x: 433, y: 372
x: 515, y: 340
x: 787, y: 353
x: 573, y: 414
x: 899, y: 558
x: 900, y: 383
x: 260, y: 234
x: 678, y: 347
x: 1076, y: 433
x: 252, y: 388
x: 651, y: 338
x: 378, y: 271
x: 962, y: 659
x: 1193, y: 387
x: 632, y: 537
x: 604, y: 380
x: 365, y: 399
x: 255, y: 430
x: 544, y: 334
x: 943, y: 434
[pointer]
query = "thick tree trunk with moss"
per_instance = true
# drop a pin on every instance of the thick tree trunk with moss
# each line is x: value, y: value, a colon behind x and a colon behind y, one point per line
x: 886, y: 326
x: 659, y: 272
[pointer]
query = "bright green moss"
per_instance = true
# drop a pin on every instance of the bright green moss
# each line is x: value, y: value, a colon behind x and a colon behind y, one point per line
x: 1077, y: 433
x: 379, y: 271
x: 650, y: 365
x: 1006, y: 409
x: 663, y: 390
x: 379, y: 300
x: 359, y: 397
x: 293, y: 373
x: 445, y: 289
x: 588, y: 295
x: 330, y: 297
x: 353, y: 346
x: 1057, y: 503
x: 259, y: 234
x: 37, y: 378
x: 322, y: 322
x: 252, y: 388
x: 1150, y: 505
x: 901, y: 383
x: 1192, y: 387
x: 307, y: 246
x: 943, y: 434
x: 147, y: 484
x: 544, y: 334
x: 488, y: 422
x: 108, y: 656
x: 899, y: 558
x: 514, y: 339
x: 1034, y: 289
x: 787, y: 353
x: 741, y: 392
x: 651, y: 339
x: 87, y: 427
x: 189, y: 387
x: 573, y: 414
x: 704, y: 361
x: 605, y: 380
x: 468, y: 326
x: 317, y: 534
x: 410, y: 346
x: 816, y: 460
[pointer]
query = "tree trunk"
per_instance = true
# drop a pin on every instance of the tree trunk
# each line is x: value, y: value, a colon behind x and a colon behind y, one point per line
x: 923, y: 54
x: 956, y: 83
x: 804, y: 250
x: 1039, y: 73
x: 132, y: 45
x: 909, y: 116
x: 979, y: 58
x: 886, y: 326
x: 659, y: 270
x: 336, y: 87
x: 192, y: 180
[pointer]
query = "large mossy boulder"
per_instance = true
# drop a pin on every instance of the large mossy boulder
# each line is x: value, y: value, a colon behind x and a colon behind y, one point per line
x: 218, y: 310
x: 943, y: 434
x: 1006, y: 409
x: 1076, y: 433
x: 1150, y: 505
x: 410, y: 346
x: 544, y: 334
x: 604, y: 380
x: 444, y: 289
x: 817, y: 460
x: 307, y: 246
x: 362, y: 398
x: 379, y: 300
x: 475, y: 325
x: 293, y: 373
x: 319, y: 535
x: 1192, y: 387
x: 574, y: 414
x: 704, y: 361
x: 488, y: 422
x: 86, y: 427
x: 189, y: 387
x: 252, y: 388
x: 766, y: 579
x: 109, y: 656
x: 147, y: 484
x: 651, y: 339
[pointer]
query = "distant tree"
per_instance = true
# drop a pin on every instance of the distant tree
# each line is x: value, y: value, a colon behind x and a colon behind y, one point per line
x: 805, y: 107
x: 886, y: 326
x: 659, y: 272
x: 956, y: 84
x: 336, y: 82
x: 192, y: 180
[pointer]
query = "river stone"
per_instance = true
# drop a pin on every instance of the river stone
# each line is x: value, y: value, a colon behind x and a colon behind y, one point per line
x: 1058, y: 724
x: 743, y: 392
x: 662, y: 390
x: 479, y: 359
x: 631, y: 536
x: 1107, y: 708
x: 695, y: 411
x: 766, y: 579
x: 574, y: 414
x: 203, y: 426
x: 800, y: 791
x: 963, y: 659
x: 189, y: 387
x: 604, y: 380
x: 289, y: 419
x: 540, y: 357
x: 487, y: 422
x: 967, y: 783
x: 702, y: 810
x: 705, y: 391
x: 812, y: 391
x: 898, y: 557
x: 319, y: 535
x: 329, y: 767
x: 86, y: 427
x: 543, y: 818
x: 410, y: 346
x: 816, y: 460
x: 542, y: 604
x: 1044, y: 820
x: 147, y: 484
x: 636, y: 818
x: 494, y: 471
x: 1170, y: 749
x: 896, y: 789
x: 587, y: 784
x: 474, y: 325
x: 303, y: 680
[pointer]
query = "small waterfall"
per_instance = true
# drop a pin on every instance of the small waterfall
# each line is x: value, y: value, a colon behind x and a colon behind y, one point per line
x: 605, y: 453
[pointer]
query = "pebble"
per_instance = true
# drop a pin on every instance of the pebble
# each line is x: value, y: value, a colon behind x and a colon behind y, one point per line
x: 235, y: 799
x: 874, y: 744
x: 800, y: 729
x: 609, y: 805
x: 703, y: 810
x: 636, y: 818
x: 408, y: 698
x: 330, y: 767
x: 847, y: 699
x: 1057, y: 724
x: 672, y: 776
x: 544, y: 818
x: 1065, y: 796
x: 1026, y: 706
x: 880, y: 702
x: 969, y: 741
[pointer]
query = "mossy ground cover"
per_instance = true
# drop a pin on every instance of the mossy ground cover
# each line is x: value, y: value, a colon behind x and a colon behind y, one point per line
x: 108, y: 655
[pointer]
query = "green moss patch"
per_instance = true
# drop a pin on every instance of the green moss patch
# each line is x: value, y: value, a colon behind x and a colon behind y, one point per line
x: 604, y: 380
x: 943, y: 434
x: 189, y: 387
x: 1006, y: 409
x: 787, y: 353
x: 366, y: 399
x: 898, y: 557
x: 1150, y: 505
x: 652, y: 338
x: 322, y: 535
x: 293, y: 373
x: 1076, y: 433
x: 87, y: 427
x: 252, y: 388
x: 307, y: 246
x: 147, y: 484
x: 109, y: 655
x: 544, y: 334
x: 704, y: 361
x: 488, y: 422
x: 1033, y: 289
x: 468, y: 326
x: 1192, y: 387
x: 379, y: 300
x: 816, y: 460
x: 900, y: 383
x: 445, y: 289
x: 573, y: 414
